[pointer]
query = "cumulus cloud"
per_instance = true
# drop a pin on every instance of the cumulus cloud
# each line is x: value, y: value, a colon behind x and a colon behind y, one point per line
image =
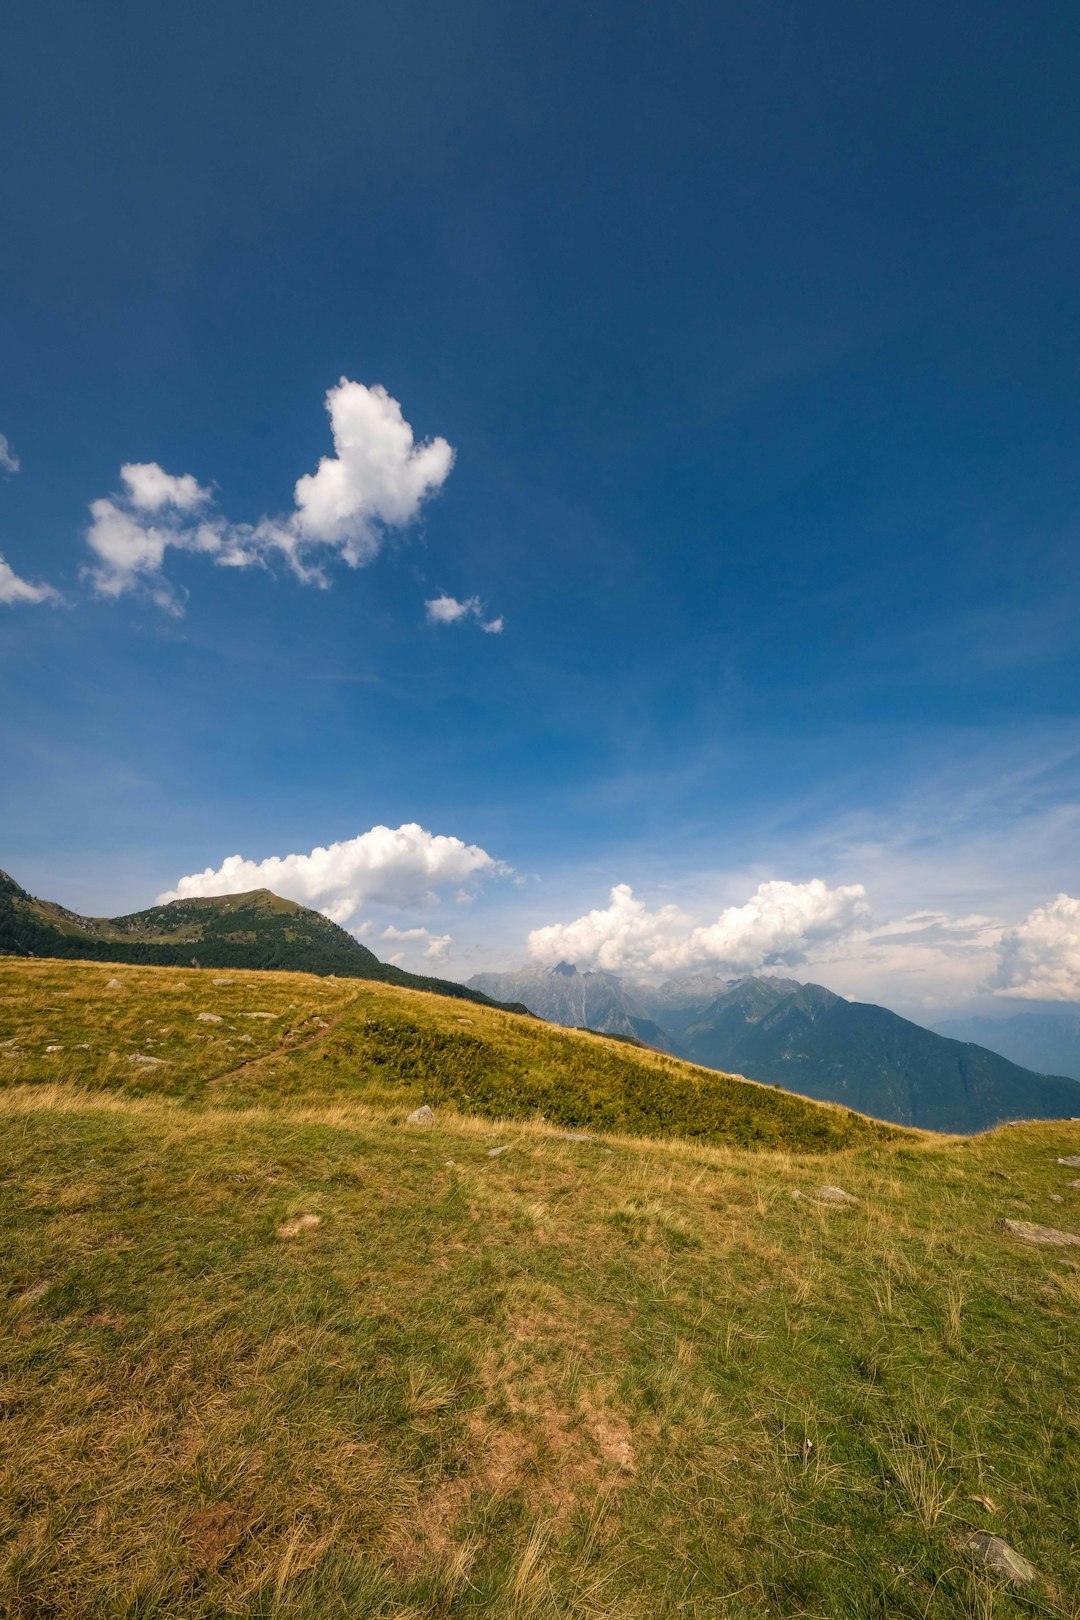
x: 149, y: 487
x: 13, y: 589
x: 448, y: 610
x: 376, y: 481
x: 436, y: 946
x: 9, y: 461
x: 1040, y: 960
x: 399, y: 866
x: 777, y: 926
x: 378, y: 476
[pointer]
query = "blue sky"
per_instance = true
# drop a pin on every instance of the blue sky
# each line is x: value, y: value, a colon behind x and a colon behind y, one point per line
x: 753, y: 331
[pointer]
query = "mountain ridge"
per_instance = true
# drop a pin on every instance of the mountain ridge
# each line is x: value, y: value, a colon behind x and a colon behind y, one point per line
x: 808, y: 1039
x: 256, y: 929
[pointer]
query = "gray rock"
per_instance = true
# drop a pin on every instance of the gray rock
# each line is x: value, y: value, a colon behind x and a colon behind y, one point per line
x: 1071, y: 1163
x: 834, y: 1195
x: 493, y: 1153
x: 1000, y: 1557
x: 115, y: 984
x: 208, y: 1018
x: 1075, y: 1183
x: 575, y: 1136
x: 1038, y: 1234
x: 421, y: 1116
x: 1056, y: 1198
x: 149, y: 1062
x: 223, y: 981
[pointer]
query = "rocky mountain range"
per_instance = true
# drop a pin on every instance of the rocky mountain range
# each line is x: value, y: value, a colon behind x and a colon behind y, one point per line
x: 806, y: 1039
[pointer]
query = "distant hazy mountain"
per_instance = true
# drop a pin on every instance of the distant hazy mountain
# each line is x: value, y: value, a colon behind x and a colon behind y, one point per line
x: 579, y: 1000
x: 805, y: 1038
x: 1046, y: 1041
x: 254, y: 930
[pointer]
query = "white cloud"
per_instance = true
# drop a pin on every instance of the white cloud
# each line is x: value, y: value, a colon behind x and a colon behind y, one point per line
x: 377, y: 480
x: 13, y: 589
x: 778, y: 925
x: 9, y: 461
x: 399, y: 866
x: 130, y: 552
x: 448, y: 610
x: 1040, y: 959
x: 379, y: 475
x: 437, y: 946
x: 150, y: 487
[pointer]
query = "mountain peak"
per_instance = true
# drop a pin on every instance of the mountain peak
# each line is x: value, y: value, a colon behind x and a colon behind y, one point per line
x: 567, y: 969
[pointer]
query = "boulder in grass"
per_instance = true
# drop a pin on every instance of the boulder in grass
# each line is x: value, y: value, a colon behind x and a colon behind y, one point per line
x: 1072, y: 1162
x: 997, y: 1555
x: 1031, y: 1233
x: 421, y: 1116
x: 834, y: 1195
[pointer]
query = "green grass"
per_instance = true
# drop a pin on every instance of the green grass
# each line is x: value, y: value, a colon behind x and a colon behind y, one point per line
x: 291, y: 1036
x: 622, y: 1378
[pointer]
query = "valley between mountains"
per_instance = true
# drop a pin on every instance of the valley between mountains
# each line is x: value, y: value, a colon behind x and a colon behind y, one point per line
x: 801, y: 1037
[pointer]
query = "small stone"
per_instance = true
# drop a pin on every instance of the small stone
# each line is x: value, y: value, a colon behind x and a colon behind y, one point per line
x: 421, y: 1116
x: 298, y: 1224
x: 1056, y: 1198
x: 1039, y: 1234
x: 54, y: 1049
x: 834, y: 1195
x: 147, y: 1062
x: 208, y: 1018
x: 1071, y: 1163
x: 178, y: 987
x: 575, y: 1136
x: 1075, y: 1183
x: 223, y: 981
x: 795, y: 1193
x: 258, y: 1015
x: 1000, y: 1557
x: 114, y: 984
x: 493, y: 1153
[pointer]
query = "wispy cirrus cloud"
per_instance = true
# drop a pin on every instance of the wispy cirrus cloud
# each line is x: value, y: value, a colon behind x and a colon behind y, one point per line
x: 9, y: 461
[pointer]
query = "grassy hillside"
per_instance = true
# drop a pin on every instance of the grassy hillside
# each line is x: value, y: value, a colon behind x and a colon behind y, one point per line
x: 255, y: 930
x: 220, y: 1039
x: 614, y: 1379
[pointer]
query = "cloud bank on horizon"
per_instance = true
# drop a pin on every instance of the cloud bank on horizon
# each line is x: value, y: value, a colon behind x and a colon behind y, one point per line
x: 776, y: 926
x: 376, y: 480
x: 783, y: 925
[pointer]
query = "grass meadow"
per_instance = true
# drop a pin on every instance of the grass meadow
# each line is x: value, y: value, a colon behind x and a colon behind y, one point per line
x: 270, y: 1351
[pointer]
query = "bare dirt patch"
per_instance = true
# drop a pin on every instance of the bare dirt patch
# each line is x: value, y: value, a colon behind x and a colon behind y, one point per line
x: 215, y: 1532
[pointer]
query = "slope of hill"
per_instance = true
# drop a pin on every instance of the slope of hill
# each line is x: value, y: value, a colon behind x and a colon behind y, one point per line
x: 805, y: 1038
x: 579, y: 1000
x: 254, y: 930
x: 265, y: 1037
x: 1046, y: 1041
x: 271, y: 1352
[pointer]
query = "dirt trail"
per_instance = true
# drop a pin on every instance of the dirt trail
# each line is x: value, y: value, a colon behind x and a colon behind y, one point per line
x: 287, y: 1047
